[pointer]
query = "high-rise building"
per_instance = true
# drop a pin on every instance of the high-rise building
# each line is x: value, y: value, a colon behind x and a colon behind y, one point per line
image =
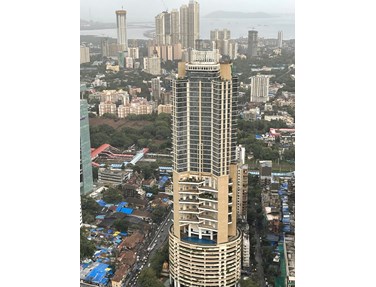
x: 193, y: 23
x: 184, y: 26
x: 84, y: 54
x: 252, y: 43
x: 121, y: 23
x: 134, y: 53
x: 86, y: 174
x: 204, y: 241
x: 220, y: 38
x: 175, y: 29
x: 152, y: 65
x: 156, y: 89
x: 189, y: 24
x: 280, y: 39
x: 105, y: 47
x: 260, y: 88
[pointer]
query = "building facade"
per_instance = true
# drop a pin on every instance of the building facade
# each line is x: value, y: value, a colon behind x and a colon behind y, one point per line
x: 252, y: 44
x: 156, y: 89
x: 121, y: 24
x: 107, y: 108
x: 259, y: 88
x: 86, y: 174
x: 84, y: 54
x: 205, y: 243
x: 280, y: 39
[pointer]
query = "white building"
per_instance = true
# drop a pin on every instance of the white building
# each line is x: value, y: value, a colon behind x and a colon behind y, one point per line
x: 121, y: 23
x: 260, y: 88
x: 152, y: 65
x: 134, y: 53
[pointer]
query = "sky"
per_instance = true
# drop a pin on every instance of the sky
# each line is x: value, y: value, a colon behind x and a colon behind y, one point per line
x: 146, y: 10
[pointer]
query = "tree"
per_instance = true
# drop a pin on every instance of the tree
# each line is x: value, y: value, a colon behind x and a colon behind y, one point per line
x: 87, y: 247
x: 112, y: 195
x: 121, y: 225
x: 248, y: 283
x: 148, y: 278
x: 158, y: 214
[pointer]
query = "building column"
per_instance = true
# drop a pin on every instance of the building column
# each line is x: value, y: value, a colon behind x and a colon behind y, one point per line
x: 189, y: 230
x: 199, y: 234
x: 211, y: 235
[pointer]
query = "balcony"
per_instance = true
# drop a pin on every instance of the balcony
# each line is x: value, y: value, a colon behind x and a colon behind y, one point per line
x: 192, y: 181
x: 189, y: 210
x: 189, y: 200
x: 189, y: 191
x: 188, y: 220
x: 207, y: 207
x: 207, y: 188
x: 208, y: 196
x: 208, y: 217
x: 207, y: 226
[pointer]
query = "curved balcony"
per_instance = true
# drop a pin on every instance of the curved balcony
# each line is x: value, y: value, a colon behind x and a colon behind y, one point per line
x: 207, y: 226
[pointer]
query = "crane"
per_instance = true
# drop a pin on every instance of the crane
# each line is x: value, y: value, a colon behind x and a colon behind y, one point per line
x: 164, y: 4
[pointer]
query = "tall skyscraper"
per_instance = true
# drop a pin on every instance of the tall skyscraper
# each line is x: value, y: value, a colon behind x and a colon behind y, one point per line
x: 86, y: 174
x: 280, y: 39
x: 184, y: 26
x: 175, y: 32
x: 252, y: 43
x: 193, y: 23
x: 204, y: 243
x: 156, y: 89
x: 260, y: 88
x: 221, y: 37
x: 189, y: 24
x: 167, y: 28
x: 121, y: 23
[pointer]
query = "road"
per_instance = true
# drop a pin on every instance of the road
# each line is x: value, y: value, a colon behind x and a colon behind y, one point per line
x: 258, y: 258
x: 146, y: 252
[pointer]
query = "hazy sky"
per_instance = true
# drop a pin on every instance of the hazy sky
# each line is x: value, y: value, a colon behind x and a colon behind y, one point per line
x: 146, y: 10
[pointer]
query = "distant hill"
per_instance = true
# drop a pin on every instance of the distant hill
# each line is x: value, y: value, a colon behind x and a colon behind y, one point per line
x: 228, y: 14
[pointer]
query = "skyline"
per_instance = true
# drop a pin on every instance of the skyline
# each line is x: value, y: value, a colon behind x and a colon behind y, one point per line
x: 103, y: 11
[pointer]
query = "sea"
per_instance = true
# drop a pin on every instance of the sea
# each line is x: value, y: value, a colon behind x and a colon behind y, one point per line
x: 267, y: 27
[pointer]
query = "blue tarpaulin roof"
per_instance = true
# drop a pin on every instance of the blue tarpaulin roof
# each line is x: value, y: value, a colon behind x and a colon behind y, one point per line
x: 101, y: 202
x: 126, y: 210
x: 258, y: 137
x: 123, y: 233
x: 97, y: 274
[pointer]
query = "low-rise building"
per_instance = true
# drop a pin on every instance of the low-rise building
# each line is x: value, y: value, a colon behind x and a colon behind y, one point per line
x: 112, y: 177
x: 107, y: 108
x: 289, y: 248
x: 167, y: 109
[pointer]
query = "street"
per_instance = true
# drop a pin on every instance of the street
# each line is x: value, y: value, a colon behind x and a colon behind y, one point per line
x: 145, y: 254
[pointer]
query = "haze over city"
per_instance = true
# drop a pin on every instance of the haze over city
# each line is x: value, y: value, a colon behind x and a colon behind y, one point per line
x: 145, y: 10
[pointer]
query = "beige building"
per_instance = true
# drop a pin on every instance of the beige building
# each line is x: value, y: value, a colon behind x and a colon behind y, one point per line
x: 107, y: 108
x: 134, y: 53
x: 84, y: 55
x: 152, y: 65
x: 167, y: 109
x: 205, y: 243
x: 138, y: 106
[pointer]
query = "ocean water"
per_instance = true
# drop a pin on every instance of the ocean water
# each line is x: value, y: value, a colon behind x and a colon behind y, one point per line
x: 266, y: 27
